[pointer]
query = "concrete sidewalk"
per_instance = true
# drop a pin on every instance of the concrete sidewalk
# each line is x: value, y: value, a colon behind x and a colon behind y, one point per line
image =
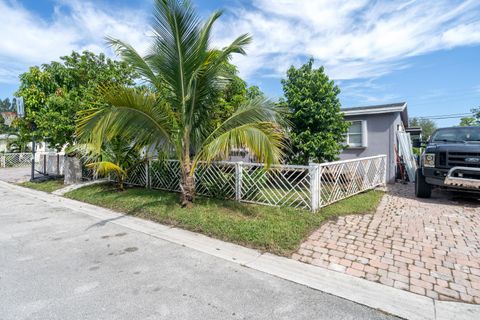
x: 374, y: 295
x: 61, y: 259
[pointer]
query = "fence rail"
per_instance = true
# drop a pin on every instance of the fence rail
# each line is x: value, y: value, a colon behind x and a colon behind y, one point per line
x: 12, y: 160
x: 308, y: 187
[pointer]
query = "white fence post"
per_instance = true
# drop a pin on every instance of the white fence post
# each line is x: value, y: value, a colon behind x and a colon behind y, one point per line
x: 4, y: 162
x: 238, y: 180
x: 147, y: 174
x: 314, y: 170
x: 384, y: 160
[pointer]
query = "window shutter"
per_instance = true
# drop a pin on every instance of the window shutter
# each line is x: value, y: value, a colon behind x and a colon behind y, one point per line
x: 364, y: 134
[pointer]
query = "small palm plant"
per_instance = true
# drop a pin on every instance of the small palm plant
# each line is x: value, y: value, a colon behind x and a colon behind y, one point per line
x: 174, y: 115
x: 116, y: 157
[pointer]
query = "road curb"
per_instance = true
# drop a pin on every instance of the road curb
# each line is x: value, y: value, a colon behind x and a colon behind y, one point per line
x: 391, y: 300
x: 62, y: 191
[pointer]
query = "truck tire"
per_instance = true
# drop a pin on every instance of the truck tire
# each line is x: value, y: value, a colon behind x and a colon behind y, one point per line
x: 422, y: 188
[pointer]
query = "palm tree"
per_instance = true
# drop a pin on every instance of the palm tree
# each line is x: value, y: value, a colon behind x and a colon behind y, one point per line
x: 174, y: 115
x: 116, y: 157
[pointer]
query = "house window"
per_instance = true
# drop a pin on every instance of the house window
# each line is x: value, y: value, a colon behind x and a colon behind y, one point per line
x: 357, y: 134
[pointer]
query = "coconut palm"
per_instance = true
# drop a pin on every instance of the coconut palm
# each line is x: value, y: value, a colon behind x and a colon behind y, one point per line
x: 115, y: 157
x: 183, y: 74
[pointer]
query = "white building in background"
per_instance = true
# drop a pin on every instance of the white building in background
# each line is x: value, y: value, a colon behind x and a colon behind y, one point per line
x: 5, y: 140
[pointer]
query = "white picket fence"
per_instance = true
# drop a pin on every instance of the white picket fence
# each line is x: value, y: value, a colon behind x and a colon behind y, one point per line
x: 308, y: 187
x: 15, y: 160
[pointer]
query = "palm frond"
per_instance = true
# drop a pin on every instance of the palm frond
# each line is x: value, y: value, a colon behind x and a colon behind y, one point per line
x: 257, y: 125
x: 263, y: 140
x: 135, y: 115
x: 104, y: 168
x: 132, y: 57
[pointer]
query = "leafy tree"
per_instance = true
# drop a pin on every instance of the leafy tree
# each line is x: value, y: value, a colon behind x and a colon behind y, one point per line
x: 7, y: 106
x: 318, y: 126
x: 428, y: 126
x: 3, y: 127
x: 189, y: 75
x: 235, y: 93
x: 469, y: 122
x: 54, y: 93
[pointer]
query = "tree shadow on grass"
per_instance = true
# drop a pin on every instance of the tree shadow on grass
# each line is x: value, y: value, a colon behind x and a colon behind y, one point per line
x: 230, y: 206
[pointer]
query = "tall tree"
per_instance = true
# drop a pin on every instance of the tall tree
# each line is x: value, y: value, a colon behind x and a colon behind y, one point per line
x: 469, y: 122
x: 233, y: 95
x: 428, y: 126
x: 185, y: 75
x: 318, y: 126
x: 6, y: 105
x: 3, y: 127
x: 53, y: 93
x: 473, y: 120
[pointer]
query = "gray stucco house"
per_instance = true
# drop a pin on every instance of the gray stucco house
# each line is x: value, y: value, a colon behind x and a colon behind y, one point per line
x: 373, y: 132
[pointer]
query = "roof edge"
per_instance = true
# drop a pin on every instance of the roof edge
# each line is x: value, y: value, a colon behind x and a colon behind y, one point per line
x: 377, y: 109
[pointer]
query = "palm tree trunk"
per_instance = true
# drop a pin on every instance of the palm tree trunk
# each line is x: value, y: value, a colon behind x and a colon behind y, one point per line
x: 120, y: 180
x: 187, y: 184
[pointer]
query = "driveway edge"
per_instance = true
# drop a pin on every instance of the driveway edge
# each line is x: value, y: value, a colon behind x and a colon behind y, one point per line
x: 374, y: 295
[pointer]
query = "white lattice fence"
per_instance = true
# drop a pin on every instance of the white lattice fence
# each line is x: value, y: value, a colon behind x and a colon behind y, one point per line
x: 165, y: 175
x: 307, y: 187
x: 138, y: 176
x: 11, y: 160
x: 286, y: 186
x: 216, y: 180
x: 341, y: 179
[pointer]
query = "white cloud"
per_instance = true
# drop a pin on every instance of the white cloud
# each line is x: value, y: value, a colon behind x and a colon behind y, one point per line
x: 352, y: 38
x: 28, y: 39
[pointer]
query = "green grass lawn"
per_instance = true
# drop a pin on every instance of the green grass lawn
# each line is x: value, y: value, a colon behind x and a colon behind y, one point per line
x: 272, y: 229
x: 47, y: 186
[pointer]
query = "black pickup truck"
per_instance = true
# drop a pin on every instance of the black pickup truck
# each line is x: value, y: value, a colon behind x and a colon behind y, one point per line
x: 451, y: 160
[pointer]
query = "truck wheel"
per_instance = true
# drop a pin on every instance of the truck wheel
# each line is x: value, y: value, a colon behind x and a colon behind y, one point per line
x: 422, y: 188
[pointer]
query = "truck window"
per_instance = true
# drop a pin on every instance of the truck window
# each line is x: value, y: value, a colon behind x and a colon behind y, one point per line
x: 457, y: 135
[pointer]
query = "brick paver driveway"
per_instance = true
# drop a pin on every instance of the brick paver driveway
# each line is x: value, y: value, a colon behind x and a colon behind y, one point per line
x: 429, y: 247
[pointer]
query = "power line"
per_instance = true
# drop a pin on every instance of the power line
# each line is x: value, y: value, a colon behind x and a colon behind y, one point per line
x: 442, y: 118
x: 446, y: 116
x: 450, y: 114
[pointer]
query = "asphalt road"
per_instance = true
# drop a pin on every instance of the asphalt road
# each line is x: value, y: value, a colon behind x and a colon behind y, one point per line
x: 56, y: 263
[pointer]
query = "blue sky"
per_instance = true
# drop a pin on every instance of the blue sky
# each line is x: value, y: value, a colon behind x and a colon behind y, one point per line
x: 424, y: 52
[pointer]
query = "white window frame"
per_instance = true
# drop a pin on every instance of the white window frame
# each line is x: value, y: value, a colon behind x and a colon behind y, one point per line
x: 363, y: 134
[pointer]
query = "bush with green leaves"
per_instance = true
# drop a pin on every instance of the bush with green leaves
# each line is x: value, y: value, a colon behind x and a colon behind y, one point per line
x: 318, y: 125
